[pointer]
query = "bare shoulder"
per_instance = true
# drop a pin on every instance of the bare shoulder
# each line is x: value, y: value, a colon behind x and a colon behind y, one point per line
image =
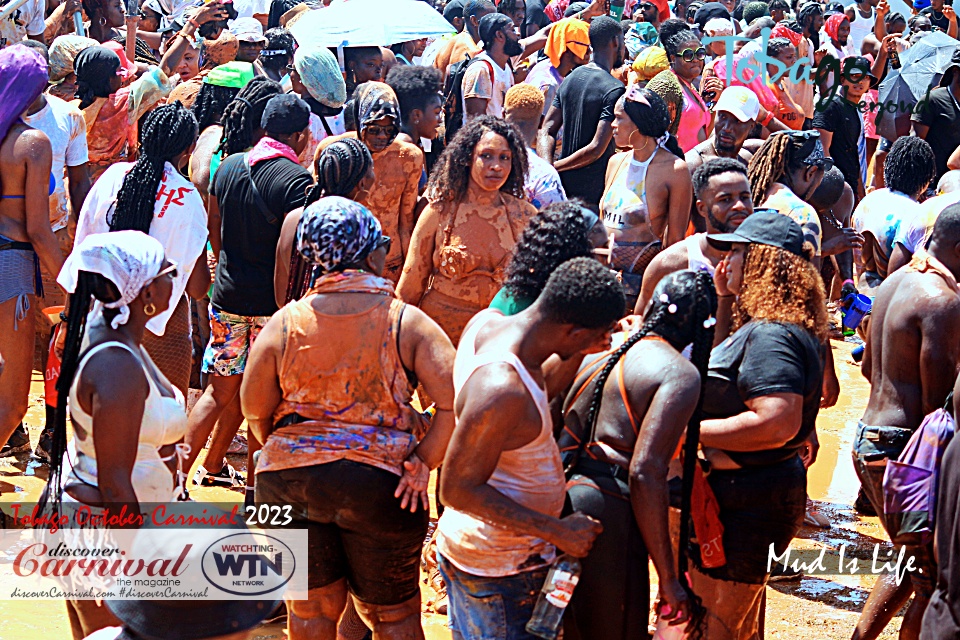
x: 407, y: 150
x: 28, y: 143
x: 674, y: 258
x: 752, y: 145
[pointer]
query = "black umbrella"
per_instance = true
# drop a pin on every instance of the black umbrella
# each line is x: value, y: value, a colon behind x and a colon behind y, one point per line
x: 921, y: 67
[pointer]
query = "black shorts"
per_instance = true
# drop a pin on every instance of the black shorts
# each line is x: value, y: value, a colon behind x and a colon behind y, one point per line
x: 356, y: 528
x: 758, y: 505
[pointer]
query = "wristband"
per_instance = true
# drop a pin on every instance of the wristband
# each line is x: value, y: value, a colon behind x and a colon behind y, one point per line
x: 767, y: 120
x: 196, y: 25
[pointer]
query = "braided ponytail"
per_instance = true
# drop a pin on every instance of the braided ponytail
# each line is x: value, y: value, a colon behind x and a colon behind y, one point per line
x: 168, y: 131
x: 340, y: 168
x: 241, y: 118
x: 89, y: 285
x: 705, y: 308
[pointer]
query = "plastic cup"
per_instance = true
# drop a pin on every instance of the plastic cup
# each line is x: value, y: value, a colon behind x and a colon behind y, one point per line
x: 860, y: 306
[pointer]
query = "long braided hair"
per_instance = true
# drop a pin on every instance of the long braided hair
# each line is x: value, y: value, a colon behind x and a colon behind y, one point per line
x: 210, y: 104
x: 683, y: 304
x: 241, y: 118
x: 773, y: 162
x: 168, y: 131
x: 89, y: 285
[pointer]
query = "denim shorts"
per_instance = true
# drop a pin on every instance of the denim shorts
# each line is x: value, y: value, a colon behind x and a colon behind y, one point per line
x: 491, y: 608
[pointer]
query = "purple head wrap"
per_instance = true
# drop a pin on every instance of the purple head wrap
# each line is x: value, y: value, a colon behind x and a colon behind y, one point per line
x: 23, y: 76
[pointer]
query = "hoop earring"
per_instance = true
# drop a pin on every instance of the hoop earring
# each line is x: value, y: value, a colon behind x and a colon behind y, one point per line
x: 102, y: 22
x: 629, y: 140
x: 150, y: 309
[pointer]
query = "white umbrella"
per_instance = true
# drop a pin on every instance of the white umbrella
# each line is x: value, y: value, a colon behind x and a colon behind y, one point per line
x: 365, y: 23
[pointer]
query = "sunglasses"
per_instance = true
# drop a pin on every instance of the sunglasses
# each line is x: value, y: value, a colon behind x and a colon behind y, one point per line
x: 290, y: 68
x: 689, y: 55
x: 385, y: 242
x: 170, y: 270
x: 646, y: 6
x: 377, y: 130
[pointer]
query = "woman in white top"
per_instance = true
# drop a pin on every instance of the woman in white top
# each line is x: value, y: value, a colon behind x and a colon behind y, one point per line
x: 125, y: 413
x: 152, y: 196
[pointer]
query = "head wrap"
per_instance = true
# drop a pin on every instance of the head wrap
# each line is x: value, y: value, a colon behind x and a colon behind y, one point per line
x: 234, y: 75
x: 650, y: 62
x: 220, y: 51
x: 128, y: 259
x: 63, y: 51
x: 556, y: 9
x: 782, y: 31
x: 23, y: 77
x: 666, y: 85
x: 574, y: 8
x: 375, y: 101
x: 640, y: 36
x: 128, y: 70
x: 569, y: 34
x: 718, y: 27
x: 833, y: 24
x: 335, y: 231
x: 663, y: 9
x: 95, y: 66
x: 320, y: 73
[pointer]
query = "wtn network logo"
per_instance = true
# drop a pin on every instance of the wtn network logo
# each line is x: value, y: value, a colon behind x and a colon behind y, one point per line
x: 249, y: 564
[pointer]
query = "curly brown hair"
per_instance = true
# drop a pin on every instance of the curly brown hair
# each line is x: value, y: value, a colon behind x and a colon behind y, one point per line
x: 782, y: 287
x: 451, y: 175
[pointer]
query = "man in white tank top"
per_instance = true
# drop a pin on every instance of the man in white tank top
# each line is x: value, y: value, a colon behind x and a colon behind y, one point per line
x: 503, y: 481
x: 862, y: 17
x: 723, y: 198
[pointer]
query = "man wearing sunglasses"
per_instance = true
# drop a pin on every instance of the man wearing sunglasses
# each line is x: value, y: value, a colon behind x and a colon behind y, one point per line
x: 840, y: 124
x: 652, y: 13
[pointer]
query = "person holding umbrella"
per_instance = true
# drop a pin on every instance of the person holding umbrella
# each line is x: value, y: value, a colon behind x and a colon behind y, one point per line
x: 940, y: 113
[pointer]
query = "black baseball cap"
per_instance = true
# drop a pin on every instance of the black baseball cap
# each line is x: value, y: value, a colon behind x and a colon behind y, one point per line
x: 859, y: 63
x: 765, y: 226
x: 285, y: 113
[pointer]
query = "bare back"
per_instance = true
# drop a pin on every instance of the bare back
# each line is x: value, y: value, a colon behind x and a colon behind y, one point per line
x: 14, y: 152
x: 647, y: 368
x: 913, y: 348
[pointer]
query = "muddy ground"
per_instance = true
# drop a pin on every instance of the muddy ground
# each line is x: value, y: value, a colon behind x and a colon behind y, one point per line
x: 825, y: 606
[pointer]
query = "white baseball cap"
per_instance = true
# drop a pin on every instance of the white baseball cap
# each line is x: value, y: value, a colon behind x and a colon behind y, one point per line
x: 740, y: 101
x: 247, y: 30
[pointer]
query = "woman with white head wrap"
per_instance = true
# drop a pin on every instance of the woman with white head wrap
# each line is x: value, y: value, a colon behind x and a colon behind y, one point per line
x: 126, y: 415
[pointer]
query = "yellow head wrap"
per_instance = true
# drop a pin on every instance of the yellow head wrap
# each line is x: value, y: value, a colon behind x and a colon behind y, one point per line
x: 569, y: 34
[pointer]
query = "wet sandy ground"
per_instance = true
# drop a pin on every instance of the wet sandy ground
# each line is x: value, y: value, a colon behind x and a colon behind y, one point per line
x: 814, y: 607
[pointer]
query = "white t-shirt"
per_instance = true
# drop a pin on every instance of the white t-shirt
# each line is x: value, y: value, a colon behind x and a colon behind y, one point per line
x: 913, y: 234
x: 64, y: 125
x: 25, y: 21
x: 477, y: 84
x: 542, y: 183
x: 179, y: 223
x: 883, y: 212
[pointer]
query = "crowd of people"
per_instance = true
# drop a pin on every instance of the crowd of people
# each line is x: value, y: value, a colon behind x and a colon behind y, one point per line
x: 581, y: 263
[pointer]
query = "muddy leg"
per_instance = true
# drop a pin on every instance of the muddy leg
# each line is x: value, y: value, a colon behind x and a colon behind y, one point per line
x: 316, y: 618
x: 884, y: 602
x: 393, y: 622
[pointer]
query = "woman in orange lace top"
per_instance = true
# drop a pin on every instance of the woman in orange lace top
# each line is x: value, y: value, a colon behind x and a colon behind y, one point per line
x: 467, y: 233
